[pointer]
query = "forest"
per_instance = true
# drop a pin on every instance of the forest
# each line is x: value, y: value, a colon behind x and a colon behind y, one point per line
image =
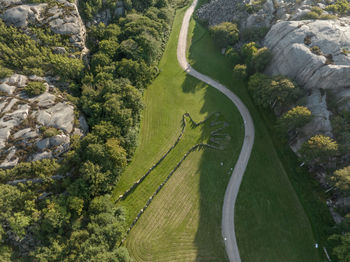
x: 60, y: 210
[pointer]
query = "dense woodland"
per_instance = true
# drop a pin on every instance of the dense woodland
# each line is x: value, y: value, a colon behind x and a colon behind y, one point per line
x: 282, y: 96
x: 62, y: 210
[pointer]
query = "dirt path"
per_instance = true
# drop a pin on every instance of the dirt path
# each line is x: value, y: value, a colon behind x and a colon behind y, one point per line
x: 228, y: 211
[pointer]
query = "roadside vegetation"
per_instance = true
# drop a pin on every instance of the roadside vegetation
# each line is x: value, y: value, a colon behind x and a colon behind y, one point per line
x: 62, y: 210
x: 281, y: 97
x: 269, y: 208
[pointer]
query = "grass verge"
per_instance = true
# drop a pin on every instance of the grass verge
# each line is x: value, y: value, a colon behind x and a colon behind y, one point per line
x: 183, y: 223
x: 272, y: 219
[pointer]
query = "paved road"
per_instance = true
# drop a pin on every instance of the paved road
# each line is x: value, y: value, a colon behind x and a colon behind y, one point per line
x: 228, y: 228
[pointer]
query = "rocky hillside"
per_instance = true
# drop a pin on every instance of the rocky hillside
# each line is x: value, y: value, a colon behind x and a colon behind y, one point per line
x: 312, y: 52
x: 40, y: 124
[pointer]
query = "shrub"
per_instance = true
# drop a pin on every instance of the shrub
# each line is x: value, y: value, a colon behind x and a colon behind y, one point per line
x: 341, y: 7
x: 35, y: 88
x: 5, y: 72
x: 295, y: 118
x: 319, y: 148
x: 225, y: 34
x: 316, y: 50
x: 247, y: 51
x: 254, y: 33
x: 233, y: 55
x: 341, y: 179
x: 271, y: 91
x: 240, y: 71
x: 261, y: 58
x: 50, y: 132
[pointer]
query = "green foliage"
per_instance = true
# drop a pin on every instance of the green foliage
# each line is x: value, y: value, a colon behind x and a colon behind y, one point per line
x: 66, y: 67
x: 316, y: 50
x: 253, y: 34
x: 225, y: 34
x: 271, y: 91
x: 240, y: 71
x: 261, y: 58
x: 50, y: 132
x: 233, y: 55
x: 294, y: 118
x: 254, y: 7
x: 5, y: 72
x: 342, y: 250
x: 341, y: 179
x: 41, y: 169
x: 18, y: 51
x: 247, y: 51
x: 319, y: 149
x: 341, y: 130
x: 34, y: 88
x: 341, y: 7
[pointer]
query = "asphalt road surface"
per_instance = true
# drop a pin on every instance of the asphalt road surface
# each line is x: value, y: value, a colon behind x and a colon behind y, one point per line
x: 228, y: 210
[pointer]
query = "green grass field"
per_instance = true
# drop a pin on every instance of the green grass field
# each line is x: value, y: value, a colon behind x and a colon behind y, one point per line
x: 183, y: 223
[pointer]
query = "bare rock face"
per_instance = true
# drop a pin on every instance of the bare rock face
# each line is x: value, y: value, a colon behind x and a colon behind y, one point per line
x: 291, y: 43
x: 320, y: 124
x: 23, y: 122
x: 218, y: 11
x: 63, y: 18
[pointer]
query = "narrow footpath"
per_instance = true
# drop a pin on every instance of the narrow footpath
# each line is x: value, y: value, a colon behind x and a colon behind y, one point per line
x: 228, y: 210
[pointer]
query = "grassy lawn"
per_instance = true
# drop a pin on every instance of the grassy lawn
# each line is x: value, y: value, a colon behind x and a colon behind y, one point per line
x: 183, y: 223
x: 271, y: 224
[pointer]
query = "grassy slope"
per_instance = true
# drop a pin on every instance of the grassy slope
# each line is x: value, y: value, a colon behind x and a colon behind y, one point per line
x: 270, y: 221
x: 183, y: 221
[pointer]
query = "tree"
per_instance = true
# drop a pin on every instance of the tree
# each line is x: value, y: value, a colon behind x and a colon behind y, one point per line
x: 261, y: 58
x: 294, y: 118
x: 319, y: 148
x: 225, y: 34
x: 240, y: 71
x: 108, y: 47
x: 342, y: 250
x: 247, y: 51
x: 233, y: 55
x: 341, y: 179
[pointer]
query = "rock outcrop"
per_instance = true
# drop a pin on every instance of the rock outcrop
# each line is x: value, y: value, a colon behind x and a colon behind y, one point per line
x: 292, y: 42
x: 23, y: 122
x: 62, y: 17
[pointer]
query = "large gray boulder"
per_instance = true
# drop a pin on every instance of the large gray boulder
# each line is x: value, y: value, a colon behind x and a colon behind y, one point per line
x: 60, y: 116
x: 290, y: 43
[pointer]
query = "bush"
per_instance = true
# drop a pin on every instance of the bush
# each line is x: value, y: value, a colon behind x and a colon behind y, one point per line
x: 240, y: 71
x: 50, y: 132
x: 5, y: 72
x: 233, y: 55
x: 341, y: 7
x: 225, y: 34
x: 341, y: 179
x: 254, y: 33
x: 35, y: 88
x: 261, y: 59
x: 319, y: 148
x: 271, y: 91
x: 247, y: 51
x: 295, y: 118
x: 316, y: 50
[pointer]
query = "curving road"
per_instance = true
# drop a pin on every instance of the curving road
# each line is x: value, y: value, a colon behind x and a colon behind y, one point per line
x: 228, y: 214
